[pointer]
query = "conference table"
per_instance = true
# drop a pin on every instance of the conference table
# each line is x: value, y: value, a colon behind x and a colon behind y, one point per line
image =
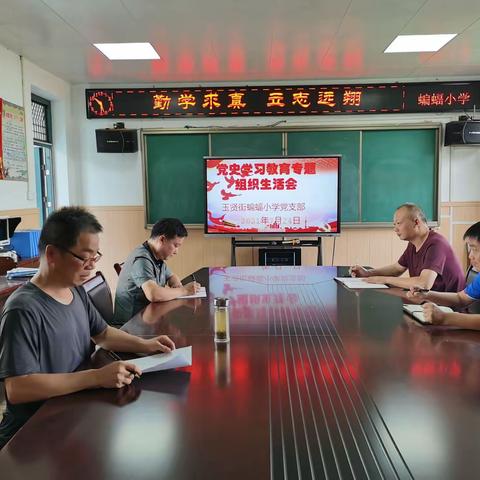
x: 318, y: 381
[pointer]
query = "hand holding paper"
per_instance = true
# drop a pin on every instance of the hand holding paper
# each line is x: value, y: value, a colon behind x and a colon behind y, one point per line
x: 181, y: 357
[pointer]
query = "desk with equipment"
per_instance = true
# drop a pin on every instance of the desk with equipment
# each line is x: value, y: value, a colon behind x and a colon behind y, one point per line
x: 318, y: 380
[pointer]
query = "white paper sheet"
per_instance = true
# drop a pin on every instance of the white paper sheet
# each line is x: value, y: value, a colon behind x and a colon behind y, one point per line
x: 180, y: 357
x: 356, y: 282
x: 416, y: 311
x: 202, y: 293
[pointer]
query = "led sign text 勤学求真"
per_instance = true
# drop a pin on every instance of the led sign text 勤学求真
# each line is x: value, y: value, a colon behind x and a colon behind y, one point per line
x: 285, y: 100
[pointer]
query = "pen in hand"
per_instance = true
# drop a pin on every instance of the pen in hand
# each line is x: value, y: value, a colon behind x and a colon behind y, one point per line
x: 117, y: 358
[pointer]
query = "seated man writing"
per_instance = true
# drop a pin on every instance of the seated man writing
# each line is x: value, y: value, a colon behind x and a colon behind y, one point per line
x: 145, y: 276
x: 429, y: 259
x: 459, y: 299
x: 48, y: 324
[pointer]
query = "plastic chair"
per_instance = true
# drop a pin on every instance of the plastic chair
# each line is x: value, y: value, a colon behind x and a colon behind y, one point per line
x: 99, y: 292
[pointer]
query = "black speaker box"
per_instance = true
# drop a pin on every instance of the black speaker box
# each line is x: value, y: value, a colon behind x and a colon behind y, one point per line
x: 279, y: 256
x: 116, y: 141
x: 462, y: 133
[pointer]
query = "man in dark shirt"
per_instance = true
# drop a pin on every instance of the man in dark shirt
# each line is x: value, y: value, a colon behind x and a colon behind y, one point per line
x: 47, y: 325
x: 429, y: 259
x: 145, y: 276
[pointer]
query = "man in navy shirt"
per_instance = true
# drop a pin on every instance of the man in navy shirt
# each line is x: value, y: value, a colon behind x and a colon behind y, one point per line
x: 47, y: 325
x: 460, y: 299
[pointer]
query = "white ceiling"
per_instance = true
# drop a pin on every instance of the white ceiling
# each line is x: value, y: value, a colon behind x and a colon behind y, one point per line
x: 243, y: 41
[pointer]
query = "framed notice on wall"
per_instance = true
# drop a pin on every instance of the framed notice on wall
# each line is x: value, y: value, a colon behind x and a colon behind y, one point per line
x: 13, y: 152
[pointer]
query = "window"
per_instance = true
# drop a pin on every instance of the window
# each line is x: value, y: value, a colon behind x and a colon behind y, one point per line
x: 41, y: 119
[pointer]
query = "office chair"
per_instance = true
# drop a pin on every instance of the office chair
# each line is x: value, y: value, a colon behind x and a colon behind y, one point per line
x: 471, y: 274
x: 118, y: 267
x: 99, y: 292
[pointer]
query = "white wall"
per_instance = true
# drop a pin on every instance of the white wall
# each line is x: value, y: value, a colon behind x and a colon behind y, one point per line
x: 19, y: 79
x: 116, y: 179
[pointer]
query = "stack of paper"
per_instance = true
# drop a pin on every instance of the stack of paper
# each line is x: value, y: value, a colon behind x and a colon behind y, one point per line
x: 416, y: 311
x: 21, y: 272
x: 180, y: 357
x: 356, y: 282
x: 202, y: 293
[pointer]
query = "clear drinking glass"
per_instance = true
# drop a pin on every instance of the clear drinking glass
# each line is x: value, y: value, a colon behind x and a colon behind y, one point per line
x: 222, y: 324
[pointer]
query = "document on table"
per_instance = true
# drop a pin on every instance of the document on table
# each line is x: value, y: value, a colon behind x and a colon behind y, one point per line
x: 21, y: 272
x: 202, y: 293
x: 357, y: 282
x: 416, y: 311
x: 180, y: 357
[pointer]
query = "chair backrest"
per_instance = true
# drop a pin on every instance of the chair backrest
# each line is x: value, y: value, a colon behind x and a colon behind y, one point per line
x: 118, y: 267
x: 471, y: 274
x: 99, y: 292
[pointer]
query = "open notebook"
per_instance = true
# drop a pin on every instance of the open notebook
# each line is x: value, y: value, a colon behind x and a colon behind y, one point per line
x: 357, y: 282
x: 416, y: 311
x: 202, y: 293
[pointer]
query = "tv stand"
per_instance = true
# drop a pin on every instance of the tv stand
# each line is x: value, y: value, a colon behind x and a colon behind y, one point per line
x: 285, y: 243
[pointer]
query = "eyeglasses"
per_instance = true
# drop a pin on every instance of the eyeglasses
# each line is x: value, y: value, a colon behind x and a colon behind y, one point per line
x: 85, y: 261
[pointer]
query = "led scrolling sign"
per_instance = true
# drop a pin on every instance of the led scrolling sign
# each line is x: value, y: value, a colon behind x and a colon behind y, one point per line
x: 284, y: 100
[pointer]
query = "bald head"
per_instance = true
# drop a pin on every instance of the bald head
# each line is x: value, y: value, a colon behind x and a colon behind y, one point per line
x: 413, y: 212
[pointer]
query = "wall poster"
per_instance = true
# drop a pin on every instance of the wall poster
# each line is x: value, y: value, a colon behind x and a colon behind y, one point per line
x: 13, y: 151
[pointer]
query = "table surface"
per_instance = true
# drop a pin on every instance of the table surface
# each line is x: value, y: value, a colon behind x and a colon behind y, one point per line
x: 318, y: 381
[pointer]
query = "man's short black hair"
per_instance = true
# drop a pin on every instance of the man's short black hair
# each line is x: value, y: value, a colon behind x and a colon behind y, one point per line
x: 170, y: 227
x: 473, y: 232
x: 64, y: 226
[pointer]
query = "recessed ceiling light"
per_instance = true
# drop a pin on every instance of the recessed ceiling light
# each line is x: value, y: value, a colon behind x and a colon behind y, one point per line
x: 419, y: 43
x: 128, y: 51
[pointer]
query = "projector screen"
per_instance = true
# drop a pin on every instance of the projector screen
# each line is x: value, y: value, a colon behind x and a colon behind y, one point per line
x: 287, y: 196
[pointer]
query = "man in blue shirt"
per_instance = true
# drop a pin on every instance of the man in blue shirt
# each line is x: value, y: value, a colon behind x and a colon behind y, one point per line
x: 460, y: 299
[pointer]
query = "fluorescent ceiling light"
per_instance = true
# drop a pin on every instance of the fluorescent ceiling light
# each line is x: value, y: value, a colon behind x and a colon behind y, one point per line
x: 419, y: 43
x: 128, y: 51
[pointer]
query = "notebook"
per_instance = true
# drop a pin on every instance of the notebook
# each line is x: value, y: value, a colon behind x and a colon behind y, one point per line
x: 357, y: 282
x: 416, y: 311
x: 202, y: 293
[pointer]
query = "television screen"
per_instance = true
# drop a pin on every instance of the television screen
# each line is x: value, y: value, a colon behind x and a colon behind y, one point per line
x: 285, y: 196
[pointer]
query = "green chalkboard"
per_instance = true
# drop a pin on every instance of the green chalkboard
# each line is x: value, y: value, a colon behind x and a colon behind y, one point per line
x: 381, y: 168
x: 398, y: 166
x: 174, y: 170
x: 344, y: 142
x: 248, y: 144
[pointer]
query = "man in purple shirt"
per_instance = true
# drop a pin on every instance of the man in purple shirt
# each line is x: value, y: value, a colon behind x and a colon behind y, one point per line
x: 429, y: 259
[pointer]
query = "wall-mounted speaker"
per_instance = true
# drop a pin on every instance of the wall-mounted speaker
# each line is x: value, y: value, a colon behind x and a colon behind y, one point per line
x: 116, y: 140
x: 462, y: 133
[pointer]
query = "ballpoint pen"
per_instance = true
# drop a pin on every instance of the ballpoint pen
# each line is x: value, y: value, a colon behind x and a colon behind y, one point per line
x: 117, y: 358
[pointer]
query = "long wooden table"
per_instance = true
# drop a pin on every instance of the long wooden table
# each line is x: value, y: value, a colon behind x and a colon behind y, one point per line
x: 318, y: 381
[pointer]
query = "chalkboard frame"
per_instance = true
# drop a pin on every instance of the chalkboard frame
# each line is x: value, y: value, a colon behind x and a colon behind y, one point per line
x: 284, y: 130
